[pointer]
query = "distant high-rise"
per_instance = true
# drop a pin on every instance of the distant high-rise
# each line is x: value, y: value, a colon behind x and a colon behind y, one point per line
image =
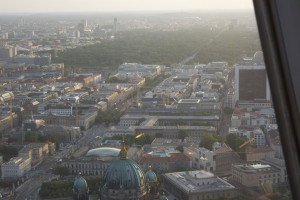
x: 251, y: 83
x: 7, y: 53
x: 84, y: 22
x: 22, y: 21
x: 115, y: 29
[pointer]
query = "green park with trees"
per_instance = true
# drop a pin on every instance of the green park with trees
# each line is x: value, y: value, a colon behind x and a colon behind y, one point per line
x: 208, y: 139
x: 163, y: 47
x: 63, y: 188
x: 31, y: 136
x: 8, y: 152
x: 109, y: 117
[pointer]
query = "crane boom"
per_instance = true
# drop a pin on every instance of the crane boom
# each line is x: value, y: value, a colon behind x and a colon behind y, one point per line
x: 247, y: 142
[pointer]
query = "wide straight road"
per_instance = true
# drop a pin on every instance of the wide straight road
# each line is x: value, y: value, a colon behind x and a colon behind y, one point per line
x: 29, y: 189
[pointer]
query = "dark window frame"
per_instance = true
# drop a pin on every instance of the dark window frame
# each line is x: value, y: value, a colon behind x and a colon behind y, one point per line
x: 279, y: 30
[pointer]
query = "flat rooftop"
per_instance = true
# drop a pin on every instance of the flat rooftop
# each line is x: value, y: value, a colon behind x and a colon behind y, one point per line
x: 187, y: 181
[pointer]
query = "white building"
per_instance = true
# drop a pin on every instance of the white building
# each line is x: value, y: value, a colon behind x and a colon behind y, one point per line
x: 16, y: 167
x: 97, y: 78
x: 202, y: 158
x: 259, y: 138
x: 230, y: 99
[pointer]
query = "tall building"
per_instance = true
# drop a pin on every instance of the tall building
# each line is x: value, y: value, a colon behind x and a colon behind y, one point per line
x: 251, y: 83
x: 8, y: 53
x: 84, y: 22
x: 230, y: 99
x: 115, y: 28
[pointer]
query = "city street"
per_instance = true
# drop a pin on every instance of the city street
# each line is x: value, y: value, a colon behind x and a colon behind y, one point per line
x: 29, y: 190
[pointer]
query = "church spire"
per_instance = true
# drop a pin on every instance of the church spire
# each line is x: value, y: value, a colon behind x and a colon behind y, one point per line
x: 123, y: 152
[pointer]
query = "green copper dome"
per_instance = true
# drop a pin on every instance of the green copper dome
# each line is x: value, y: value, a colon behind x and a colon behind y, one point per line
x: 80, y: 186
x: 150, y: 176
x: 163, y: 197
x: 123, y: 174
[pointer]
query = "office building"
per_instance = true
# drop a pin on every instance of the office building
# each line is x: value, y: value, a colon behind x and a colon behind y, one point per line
x: 257, y: 174
x: 199, y: 184
x: 251, y: 84
x: 15, y: 167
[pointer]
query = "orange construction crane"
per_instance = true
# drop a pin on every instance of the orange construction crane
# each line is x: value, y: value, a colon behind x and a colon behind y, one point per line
x: 247, y: 142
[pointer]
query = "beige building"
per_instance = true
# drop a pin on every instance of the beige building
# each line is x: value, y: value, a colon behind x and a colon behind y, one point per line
x: 15, y: 167
x: 257, y: 174
x: 164, y: 161
x: 5, y: 121
x: 198, y: 185
x: 219, y: 160
x: 85, y: 119
x: 224, y: 159
x: 35, y: 151
x: 258, y: 153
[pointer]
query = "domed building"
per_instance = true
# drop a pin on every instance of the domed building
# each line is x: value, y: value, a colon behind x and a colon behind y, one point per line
x: 163, y: 197
x: 152, y: 183
x: 80, y: 189
x: 125, y: 179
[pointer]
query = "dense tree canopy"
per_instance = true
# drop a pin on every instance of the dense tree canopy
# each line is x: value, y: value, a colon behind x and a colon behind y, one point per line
x: 63, y: 188
x: 109, y: 116
x: 208, y: 139
x: 61, y: 170
x: 181, y: 135
x: 235, y: 141
x: 31, y: 136
x: 8, y: 152
x: 164, y: 47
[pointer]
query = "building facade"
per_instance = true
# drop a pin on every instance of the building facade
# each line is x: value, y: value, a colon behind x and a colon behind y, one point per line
x: 198, y: 185
x: 15, y: 167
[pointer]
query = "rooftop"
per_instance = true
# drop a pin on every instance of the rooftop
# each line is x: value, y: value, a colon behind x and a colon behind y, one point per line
x: 103, y: 151
x: 198, y: 181
x: 164, y: 157
x: 262, y: 149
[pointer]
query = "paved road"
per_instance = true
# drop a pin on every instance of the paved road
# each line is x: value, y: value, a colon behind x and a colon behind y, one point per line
x: 29, y: 190
x: 210, y: 41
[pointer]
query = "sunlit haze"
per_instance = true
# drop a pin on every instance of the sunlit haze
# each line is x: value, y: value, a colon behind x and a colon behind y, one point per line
x: 38, y: 6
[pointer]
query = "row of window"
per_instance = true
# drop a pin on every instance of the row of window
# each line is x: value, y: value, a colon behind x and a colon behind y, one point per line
x: 86, y: 166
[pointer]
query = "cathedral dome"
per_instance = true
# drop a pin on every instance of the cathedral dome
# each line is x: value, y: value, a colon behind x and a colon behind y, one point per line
x: 150, y: 176
x: 124, y: 174
x: 80, y: 186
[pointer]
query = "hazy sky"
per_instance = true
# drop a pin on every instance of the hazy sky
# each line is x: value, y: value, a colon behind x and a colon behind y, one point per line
x: 38, y: 6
